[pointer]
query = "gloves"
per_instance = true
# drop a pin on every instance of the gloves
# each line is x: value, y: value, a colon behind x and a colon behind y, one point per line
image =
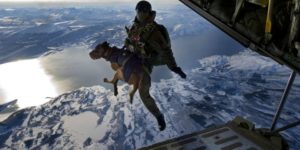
x: 178, y: 71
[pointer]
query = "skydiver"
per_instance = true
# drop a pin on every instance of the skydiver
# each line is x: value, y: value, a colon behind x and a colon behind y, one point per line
x: 151, y: 42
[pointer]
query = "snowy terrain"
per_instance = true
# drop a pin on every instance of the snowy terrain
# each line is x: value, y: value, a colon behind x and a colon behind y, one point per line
x: 30, y: 32
x: 54, y: 42
x: 217, y: 89
x: 215, y: 92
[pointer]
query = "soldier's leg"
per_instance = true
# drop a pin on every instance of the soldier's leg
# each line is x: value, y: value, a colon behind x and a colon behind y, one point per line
x: 148, y: 101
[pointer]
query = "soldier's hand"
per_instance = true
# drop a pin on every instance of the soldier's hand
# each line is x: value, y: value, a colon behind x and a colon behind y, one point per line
x: 179, y: 72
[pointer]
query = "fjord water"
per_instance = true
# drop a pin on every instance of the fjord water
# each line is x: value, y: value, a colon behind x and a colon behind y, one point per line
x: 35, y: 81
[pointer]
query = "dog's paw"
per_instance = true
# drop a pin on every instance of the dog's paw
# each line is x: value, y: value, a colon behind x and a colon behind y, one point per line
x: 105, y: 80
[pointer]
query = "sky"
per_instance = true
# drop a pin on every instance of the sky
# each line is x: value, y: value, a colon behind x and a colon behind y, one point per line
x: 79, y: 3
x: 100, y: 1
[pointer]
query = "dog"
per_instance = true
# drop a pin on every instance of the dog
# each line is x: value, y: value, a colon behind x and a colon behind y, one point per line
x: 131, y: 69
x: 127, y: 66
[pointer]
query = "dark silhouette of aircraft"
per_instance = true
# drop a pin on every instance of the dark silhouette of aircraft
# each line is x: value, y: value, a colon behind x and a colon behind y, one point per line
x: 269, y: 27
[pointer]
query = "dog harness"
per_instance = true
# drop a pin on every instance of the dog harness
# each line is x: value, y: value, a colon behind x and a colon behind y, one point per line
x: 129, y: 61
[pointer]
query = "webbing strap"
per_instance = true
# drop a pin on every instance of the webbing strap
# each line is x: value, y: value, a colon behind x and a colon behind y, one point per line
x: 126, y: 60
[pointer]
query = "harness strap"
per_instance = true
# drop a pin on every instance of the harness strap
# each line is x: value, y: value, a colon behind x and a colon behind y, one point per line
x: 126, y: 60
x: 146, y: 70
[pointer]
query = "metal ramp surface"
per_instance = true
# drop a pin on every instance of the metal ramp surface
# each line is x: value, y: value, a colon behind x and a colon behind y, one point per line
x: 235, y: 135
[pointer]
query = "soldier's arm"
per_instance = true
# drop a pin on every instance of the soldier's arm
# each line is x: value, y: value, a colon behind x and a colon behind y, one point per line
x: 166, y: 51
x: 167, y: 55
x: 127, y: 41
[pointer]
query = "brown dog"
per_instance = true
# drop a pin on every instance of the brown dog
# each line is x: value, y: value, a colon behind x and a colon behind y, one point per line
x: 130, y: 68
x: 103, y: 50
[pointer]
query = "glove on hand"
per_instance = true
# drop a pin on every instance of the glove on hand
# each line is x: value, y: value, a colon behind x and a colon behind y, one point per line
x: 179, y: 72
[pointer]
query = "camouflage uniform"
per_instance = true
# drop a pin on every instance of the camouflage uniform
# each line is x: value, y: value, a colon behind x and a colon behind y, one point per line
x: 151, y: 42
x: 148, y: 42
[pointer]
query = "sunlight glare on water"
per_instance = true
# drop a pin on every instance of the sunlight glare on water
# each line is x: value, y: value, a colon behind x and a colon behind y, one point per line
x: 26, y: 81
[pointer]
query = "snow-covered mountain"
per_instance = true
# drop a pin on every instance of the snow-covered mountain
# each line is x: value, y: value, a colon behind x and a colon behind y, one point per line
x: 217, y: 89
x: 220, y: 88
x: 30, y: 32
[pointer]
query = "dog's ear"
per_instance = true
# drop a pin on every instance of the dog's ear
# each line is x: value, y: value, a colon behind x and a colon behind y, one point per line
x: 127, y: 29
x: 106, y: 44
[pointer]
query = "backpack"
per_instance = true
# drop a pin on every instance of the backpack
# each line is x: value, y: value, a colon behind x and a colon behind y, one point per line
x: 164, y: 32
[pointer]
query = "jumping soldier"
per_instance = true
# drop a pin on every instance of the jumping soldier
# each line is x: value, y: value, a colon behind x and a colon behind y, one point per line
x: 151, y: 42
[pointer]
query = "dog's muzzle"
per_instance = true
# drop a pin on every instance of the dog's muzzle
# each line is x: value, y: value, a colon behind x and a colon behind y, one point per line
x: 93, y: 55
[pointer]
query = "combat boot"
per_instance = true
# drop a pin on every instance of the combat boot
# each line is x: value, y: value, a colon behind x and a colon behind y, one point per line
x: 161, y: 122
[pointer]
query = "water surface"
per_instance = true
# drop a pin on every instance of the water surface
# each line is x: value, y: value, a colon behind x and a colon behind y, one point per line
x: 36, y: 81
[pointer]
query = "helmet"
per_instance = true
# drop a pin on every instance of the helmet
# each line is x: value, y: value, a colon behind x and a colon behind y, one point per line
x: 143, y: 6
